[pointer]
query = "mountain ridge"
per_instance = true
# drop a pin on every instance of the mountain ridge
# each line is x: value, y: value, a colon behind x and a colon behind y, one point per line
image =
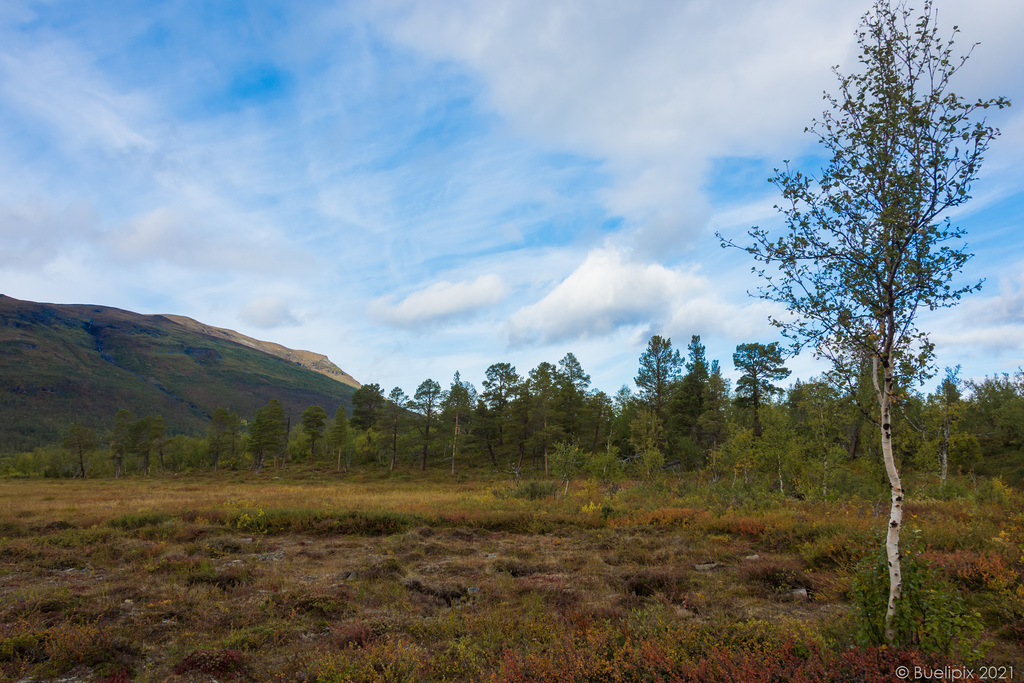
x: 67, y: 363
x: 317, y: 362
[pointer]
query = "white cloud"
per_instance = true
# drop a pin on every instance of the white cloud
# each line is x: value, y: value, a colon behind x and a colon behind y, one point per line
x: 609, y: 292
x: 653, y: 89
x: 34, y: 233
x: 1006, y: 308
x: 440, y: 302
x: 268, y: 312
x: 184, y: 239
x: 984, y: 324
x: 992, y: 339
x: 506, y: 137
x: 603, y: 294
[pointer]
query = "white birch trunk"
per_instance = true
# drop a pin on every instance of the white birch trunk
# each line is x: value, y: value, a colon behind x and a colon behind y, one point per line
x: 892, y: 539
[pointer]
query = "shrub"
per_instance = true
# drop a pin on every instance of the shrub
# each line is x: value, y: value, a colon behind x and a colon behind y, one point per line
x: 529, y: 490
x: 518, y: 568
x: 930, y: 614
x: 353, y: 634
x: 739, y: 526
x: 842, y: 551
x: 252, y: 522
x: 973, y: 570
x: 774, y: 577
x: 218, y: 662
x: 137, y: 521
x: 664, y: 516
x: 382, y: 523
x: 672, y: 582
x: 29, y: 646
x: 68, y: 645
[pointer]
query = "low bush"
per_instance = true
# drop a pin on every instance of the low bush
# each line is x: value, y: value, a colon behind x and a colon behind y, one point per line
x: 930, y: 614
x: 774, y: 577
x: 216, y: 662
x: 670, y: 582
x: 973, y: 570
x: 529, y: 490
x: 133, y: 522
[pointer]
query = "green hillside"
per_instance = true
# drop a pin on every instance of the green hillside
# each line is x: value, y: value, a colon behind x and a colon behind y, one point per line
x: 63, y: 364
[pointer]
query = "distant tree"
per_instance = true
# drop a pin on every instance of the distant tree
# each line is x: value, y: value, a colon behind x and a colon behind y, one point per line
x: 366, y: 400
x: 397, y: 406
x: 647, y: 439
x: 157, y: 434
x: 426, y: 402
x: 120, y: 439
x: 778, y: 452
x: 457, y: 404
x: 683, y: 434
x: 139, y: 443
x: 692, y: 393
x: 268, y: 433
x: 714, y: 420
x: 945, y: 439
x: 220, y: 439
x: 599, y: 413
x: 996, y: 410
x: 314, y: 419
x: 624, y: 408
x: 338, y: 436
x: 370, y: 445
x: 868, y: 243
x: 761, y: 365
x: 79, y: 441
x: 500, y: 386
x: 544, y: 391
x: 819, y: 415
x: 572, y: 383
x: 660, y: 368
x: 567, y: 460
x: 520, y: 412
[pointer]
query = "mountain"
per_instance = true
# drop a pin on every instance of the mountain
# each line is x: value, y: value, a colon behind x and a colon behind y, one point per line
x: 61, y: 364
x: 316, y: 362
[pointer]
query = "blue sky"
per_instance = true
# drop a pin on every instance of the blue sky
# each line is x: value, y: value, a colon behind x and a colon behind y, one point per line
x: 419, y: 188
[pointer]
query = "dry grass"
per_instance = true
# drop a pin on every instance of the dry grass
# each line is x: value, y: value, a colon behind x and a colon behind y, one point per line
x: 348, y: 580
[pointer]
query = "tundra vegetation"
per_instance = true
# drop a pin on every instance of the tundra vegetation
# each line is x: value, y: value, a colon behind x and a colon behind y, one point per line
x: 581, y: 537
x: 541, y: 529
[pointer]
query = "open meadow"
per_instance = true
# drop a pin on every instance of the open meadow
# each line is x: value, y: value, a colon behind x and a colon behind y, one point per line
x: 296, y: 575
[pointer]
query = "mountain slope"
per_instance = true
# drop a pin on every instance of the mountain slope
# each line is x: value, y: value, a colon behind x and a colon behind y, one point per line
x: 61, y: 364
x: 313, y: 361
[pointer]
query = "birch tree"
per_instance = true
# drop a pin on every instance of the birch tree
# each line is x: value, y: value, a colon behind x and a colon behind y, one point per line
x: 867, y: 243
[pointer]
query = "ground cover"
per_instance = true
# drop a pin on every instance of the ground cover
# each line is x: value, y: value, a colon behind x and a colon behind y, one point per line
x: 302, y: 576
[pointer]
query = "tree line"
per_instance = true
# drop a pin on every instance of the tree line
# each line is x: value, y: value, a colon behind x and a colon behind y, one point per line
x: 808, y: 439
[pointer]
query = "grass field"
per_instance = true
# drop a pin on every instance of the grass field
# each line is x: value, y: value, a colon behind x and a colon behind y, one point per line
x: 301, y: 576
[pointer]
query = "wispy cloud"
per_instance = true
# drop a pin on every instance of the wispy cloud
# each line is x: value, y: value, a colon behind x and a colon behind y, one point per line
x: 55, y: 84
x: 186, y: 239
x: 440, y: 302
x: 268, y: 312
x: 35, y: 233
x: 538, y: 174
